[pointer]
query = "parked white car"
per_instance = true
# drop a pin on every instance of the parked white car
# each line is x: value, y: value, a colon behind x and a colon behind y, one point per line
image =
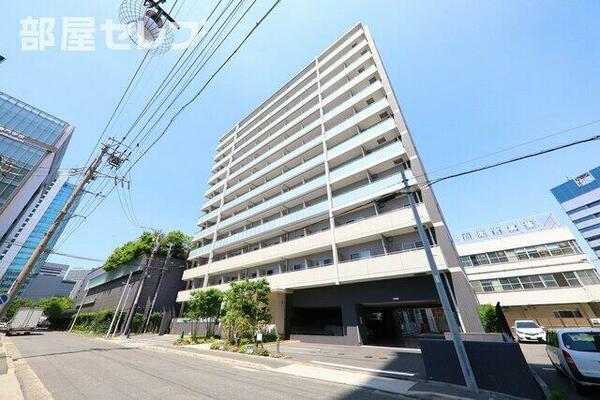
x: 529, y: 331
x: 575, y: 352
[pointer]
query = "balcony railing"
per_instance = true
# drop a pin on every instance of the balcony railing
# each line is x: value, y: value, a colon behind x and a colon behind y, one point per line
x: 373, y: 190
x: 281, y: 179
x: 357, y: 118
x: 277, y: 164
x: 276, y: 201
x: 388, y: 152
x: 373, y: 132
x: 357, y: 97
x: 276, y: 148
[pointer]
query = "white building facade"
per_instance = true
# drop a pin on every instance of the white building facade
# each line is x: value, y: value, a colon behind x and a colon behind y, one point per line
x: 307, y: 192
x: 534, y: 268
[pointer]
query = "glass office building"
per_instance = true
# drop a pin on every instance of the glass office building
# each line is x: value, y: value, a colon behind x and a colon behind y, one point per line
x: 23, y: 239
x: 580, y: 198
x: 32, y: 144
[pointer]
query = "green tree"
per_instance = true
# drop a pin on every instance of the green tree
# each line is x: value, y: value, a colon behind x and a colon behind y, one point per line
x: 490, y: 319
x: 206, y: 305
x: 56, y: 309
x: 132, y: 250
x: 247, y: 308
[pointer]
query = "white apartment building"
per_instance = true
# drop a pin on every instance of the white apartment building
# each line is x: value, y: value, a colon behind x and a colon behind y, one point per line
x: 306, y: 192
x: 534, y: 268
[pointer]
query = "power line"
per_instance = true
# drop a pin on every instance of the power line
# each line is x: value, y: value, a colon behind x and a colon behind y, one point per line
x: 178, y: 113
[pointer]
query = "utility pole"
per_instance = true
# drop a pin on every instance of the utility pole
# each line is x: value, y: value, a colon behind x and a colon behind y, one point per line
x: 459, y: 346
x: 162, y: 274
x: 114, y: 159
x: 127, y: 328
x: 112, y: 322
x: 122, y: 310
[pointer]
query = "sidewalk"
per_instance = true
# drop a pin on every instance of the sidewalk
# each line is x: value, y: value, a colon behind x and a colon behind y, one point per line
x: 9, y: 384
x: 408, y: 388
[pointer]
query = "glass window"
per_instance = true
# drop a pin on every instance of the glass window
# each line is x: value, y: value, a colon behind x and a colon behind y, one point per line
x: 487, y: 286
x: 521, y: 254
x: 582, y: 341
x: 466, y: 261
x: 543, y: 251
x: 554, y: 249
x: 571, y: 279
x: 549, y: 280
x: 567, y: 314
x: 566, y: 248
x: 482, y: 259
x: 588, y: 277
x: 511, y: 255
x: 532, y: 252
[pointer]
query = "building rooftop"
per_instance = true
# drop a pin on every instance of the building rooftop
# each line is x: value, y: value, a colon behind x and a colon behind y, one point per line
x: 513, y: 227
x: 577, y: 186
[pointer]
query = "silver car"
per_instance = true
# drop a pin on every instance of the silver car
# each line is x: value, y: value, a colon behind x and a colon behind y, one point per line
x: 575, y: 353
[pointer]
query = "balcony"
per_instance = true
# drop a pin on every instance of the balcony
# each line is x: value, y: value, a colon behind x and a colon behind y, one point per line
x: 276, y: 201
x: 383, y: 154
x: 379, y: 188
x: 349, y: 85
x: 280, y: 146
x: 281, y: 179
x: 204, y: 233
x: 353, y: 52
x: 294, y: 248
x: 342, y: 47
x: 352, y: 101
x: 373, y: 109
x: 277, y: 164
x: 277, y: 98
x: 365, y: 136
x: 395, y: 265
x: 274, y: 225
x: 214, y: 201
x: 303, y: 114
x: 207, y: 216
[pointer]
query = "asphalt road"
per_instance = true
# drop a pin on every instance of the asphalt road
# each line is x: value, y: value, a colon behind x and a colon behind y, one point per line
x: 75, y: 367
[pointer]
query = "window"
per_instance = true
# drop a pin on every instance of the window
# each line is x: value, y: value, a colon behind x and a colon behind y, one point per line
x: 571, y: 279
x: 588, y: 277
x: 532, y: 252
x: 481, y: 259
x: 372, y: 80
x: 466, y: 261
x: 476, y: 285
x: 361, y: 70
x: 567, y: 314
x: 360, y: 255
x: 531, y: 282
x: 549, y: 280
x: 370, y: 101
x: 384, y: 115
x: 582, y: 341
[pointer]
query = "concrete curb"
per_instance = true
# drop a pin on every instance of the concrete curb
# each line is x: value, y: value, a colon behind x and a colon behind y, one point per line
x: 396, y: 386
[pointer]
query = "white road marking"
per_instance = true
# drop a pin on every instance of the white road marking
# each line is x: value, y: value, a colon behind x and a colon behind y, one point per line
x: 381, y: 371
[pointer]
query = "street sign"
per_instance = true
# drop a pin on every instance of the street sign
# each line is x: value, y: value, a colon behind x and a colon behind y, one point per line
x: 3, y: 299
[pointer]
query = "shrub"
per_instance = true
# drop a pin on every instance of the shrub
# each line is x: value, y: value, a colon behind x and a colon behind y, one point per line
x: 490, y: 319
x: 260, y: 351
x: 270, y: 337
x: 216, y: 344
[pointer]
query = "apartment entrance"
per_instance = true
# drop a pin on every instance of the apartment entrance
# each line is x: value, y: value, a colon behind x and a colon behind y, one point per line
x: 399, y: 325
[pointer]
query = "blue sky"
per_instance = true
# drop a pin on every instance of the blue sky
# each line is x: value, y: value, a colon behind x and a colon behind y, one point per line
x: 471, y: 78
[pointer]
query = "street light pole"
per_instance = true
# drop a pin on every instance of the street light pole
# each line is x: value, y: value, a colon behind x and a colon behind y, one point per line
x: 459, y: 346
x: 127, y: 328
